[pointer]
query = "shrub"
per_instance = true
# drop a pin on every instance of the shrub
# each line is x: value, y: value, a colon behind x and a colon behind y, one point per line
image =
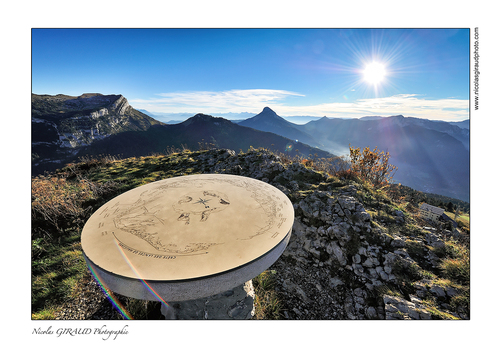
x: 372, y: 165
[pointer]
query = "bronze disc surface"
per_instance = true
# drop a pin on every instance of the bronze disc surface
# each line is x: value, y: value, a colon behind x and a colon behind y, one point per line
x: 187, y: 227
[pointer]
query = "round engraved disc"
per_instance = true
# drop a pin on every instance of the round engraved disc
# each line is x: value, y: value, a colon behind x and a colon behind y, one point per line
x: 187, y: 228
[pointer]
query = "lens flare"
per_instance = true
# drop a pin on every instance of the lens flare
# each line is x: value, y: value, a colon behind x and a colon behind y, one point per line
x: 109, y: 294
x: 111, y: 297
x: 138, y: 276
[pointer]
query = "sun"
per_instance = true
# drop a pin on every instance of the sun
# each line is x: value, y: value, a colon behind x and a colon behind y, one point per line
x: 374, y: 73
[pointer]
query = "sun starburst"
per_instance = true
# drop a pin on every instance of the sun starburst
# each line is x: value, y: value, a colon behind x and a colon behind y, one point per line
x: 374, y: 73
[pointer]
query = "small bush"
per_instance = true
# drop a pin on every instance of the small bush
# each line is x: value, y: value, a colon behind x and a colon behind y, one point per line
x: 372, y: 165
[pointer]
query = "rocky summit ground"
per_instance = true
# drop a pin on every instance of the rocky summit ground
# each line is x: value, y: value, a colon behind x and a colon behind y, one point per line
x: 353, y: 253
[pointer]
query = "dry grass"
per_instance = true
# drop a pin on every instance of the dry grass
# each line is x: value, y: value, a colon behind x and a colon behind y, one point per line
x: 57, y: 200
x: 456, y: 266
x: 267, y: 302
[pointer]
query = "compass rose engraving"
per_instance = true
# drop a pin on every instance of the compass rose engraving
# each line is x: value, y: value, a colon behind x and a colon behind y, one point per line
x: 187, y: 206
x: 204, y: 202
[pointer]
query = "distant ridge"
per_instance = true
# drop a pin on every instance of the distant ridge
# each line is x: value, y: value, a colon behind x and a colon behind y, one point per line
x: 431, y: 156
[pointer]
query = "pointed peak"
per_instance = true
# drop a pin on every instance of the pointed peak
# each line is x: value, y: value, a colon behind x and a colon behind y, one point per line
x: 268, y: 112
x: 322, y: 119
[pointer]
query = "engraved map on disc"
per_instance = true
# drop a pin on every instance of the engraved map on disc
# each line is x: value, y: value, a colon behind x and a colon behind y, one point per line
x: 187, y: 227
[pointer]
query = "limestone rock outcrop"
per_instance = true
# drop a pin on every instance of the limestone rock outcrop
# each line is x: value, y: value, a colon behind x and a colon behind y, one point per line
x: 64, y: 125
x: 350, y: 256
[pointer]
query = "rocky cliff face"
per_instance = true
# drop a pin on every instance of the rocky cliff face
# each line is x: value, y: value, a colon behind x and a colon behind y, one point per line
x: 353, y: 254
x: 62, y: 125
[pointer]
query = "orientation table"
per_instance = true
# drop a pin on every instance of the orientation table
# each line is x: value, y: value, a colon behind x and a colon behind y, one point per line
x: 189, y: 242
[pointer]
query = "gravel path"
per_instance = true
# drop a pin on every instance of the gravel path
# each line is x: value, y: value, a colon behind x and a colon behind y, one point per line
x: 91, y: 303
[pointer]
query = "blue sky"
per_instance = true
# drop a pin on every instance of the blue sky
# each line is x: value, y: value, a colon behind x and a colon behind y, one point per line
x: 316, y: 72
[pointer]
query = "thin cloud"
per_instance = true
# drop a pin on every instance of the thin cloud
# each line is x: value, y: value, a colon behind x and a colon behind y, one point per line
x: 253, y: 100
x: 243, y: 100
x: 404, y: 104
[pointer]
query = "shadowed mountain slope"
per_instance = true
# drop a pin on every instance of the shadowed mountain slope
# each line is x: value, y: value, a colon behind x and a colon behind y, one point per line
x: 269, y: 121
x: 197, y: 131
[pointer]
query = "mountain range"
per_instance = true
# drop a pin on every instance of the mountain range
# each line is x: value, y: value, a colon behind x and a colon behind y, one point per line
x: 196, y: 132
x: 431, y: 156
x: 65, y: 128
